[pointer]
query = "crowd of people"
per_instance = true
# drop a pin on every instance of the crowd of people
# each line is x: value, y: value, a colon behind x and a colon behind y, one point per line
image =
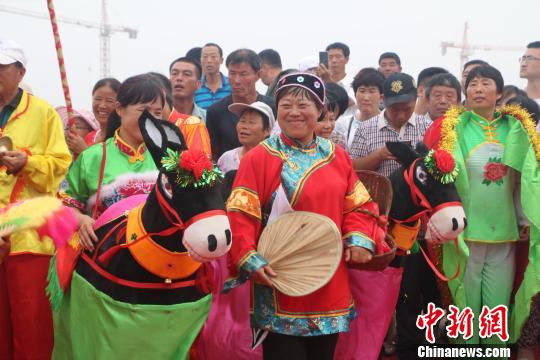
x: 298, y: 144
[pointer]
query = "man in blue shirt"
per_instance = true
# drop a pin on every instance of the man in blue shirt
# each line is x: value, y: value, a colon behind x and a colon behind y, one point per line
x: 214, y: 85
x: 244, y: 67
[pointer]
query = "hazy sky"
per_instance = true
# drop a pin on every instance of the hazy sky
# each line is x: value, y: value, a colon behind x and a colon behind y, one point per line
x: 167, y: 29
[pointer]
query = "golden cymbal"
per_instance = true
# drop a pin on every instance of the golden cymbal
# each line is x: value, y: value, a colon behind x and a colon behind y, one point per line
x: 5, y: 145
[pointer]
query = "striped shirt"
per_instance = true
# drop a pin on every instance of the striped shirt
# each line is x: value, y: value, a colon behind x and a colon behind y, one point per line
x: 204, y: 97
x: 372, y: 135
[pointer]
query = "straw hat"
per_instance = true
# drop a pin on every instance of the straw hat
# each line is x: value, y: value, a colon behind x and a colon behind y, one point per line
x: 304, y: 249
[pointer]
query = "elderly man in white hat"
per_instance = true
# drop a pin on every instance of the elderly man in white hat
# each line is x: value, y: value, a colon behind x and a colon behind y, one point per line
x: 34, y: 159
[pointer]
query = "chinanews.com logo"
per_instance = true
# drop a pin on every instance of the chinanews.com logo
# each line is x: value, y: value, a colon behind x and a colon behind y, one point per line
x: 491, y: 322
x: 435, y: 352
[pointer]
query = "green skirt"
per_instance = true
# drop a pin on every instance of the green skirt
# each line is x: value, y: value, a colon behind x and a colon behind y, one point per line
x: 91, y: 325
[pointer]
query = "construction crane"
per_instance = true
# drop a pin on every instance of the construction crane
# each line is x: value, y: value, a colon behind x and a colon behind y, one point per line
x: 467, y: 49
x: 105, y: 30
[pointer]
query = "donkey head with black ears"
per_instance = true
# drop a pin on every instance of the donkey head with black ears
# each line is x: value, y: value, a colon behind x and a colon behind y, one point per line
x: 186, y: 202
x: 425, y: 185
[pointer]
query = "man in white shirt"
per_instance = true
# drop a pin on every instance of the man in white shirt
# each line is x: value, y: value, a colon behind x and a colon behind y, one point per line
x: 530, y: 70
x: 338, y: 57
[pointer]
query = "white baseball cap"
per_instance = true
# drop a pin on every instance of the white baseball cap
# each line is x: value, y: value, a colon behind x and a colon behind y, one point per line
x: 11, y: 52
x: 239, y: 108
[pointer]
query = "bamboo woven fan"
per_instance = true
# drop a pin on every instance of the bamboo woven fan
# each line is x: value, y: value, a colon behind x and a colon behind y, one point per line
x: 304, y: 249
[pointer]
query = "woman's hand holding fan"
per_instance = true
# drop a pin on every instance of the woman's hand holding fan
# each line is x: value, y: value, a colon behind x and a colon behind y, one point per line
x: 262, y: 276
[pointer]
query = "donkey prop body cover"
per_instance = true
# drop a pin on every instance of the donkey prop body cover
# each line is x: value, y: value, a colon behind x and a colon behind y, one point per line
x: 375, y: 292
x: 142, y: 293
x: 416, y: 192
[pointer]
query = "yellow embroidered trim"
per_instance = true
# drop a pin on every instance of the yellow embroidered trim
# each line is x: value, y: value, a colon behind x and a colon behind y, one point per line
x: 271, y: 150
x: 244, y: 259
x: 246, y: 201
x: 473, y: 150
x: 133, y: 155
x: 490, y: 129
x: 310, y: 171
x: 282, y: 313
x: 279, y: 154
x: 358, y: 197
x: 359, y: 233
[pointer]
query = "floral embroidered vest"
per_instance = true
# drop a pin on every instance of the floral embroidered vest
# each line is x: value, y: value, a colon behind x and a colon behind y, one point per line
x: 490, y: 205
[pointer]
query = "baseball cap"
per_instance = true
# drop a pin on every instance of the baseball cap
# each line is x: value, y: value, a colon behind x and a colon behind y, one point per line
x: 11, y: 52
x: 399, y: 88
x: 239, y: 108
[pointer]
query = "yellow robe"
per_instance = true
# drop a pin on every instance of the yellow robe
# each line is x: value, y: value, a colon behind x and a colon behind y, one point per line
x: 35, y: 128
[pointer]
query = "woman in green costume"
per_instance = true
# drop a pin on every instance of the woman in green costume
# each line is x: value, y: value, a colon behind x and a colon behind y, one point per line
x: 119, y: 167
x: 497, y: 153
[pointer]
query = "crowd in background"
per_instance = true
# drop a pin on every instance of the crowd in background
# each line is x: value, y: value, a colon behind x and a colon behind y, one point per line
x: 98, y: 158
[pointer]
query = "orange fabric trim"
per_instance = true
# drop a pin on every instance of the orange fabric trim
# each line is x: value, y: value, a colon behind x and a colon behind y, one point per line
x: 246, y: 201
x: 28, y: 253
x: 15, y: 116
x: 154, y: 258
x: 404, y: 235
x: 358, y: 197
x: 20, y: 183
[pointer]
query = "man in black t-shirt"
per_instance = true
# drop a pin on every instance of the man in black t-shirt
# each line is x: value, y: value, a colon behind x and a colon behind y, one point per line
x: 243, y: 66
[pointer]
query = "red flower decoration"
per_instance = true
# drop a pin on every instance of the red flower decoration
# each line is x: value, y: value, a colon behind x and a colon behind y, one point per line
x: 196, y: 161
x: 494, y: 171
x: 444, y: 161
